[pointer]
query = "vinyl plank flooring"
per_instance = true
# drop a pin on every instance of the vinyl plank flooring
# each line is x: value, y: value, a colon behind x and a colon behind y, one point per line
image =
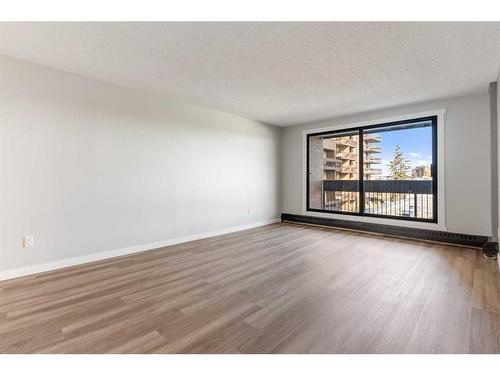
x: 282, y: 288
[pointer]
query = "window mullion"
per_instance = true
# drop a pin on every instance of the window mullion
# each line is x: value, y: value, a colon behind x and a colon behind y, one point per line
x: 360, y: 173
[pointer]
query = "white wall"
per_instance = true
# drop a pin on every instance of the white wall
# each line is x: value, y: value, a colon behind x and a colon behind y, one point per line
x: 498, y: 155
x: 498, y: 148
x: 494, y: 160
x: 89, y: 167
x: 467, y: 160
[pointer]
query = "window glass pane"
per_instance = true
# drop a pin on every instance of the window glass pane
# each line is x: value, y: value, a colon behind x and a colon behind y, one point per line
x: 333, y: 172
x: 397, y: 169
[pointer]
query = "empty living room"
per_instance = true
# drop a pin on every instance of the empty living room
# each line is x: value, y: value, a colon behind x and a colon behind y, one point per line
x: 249, y: 187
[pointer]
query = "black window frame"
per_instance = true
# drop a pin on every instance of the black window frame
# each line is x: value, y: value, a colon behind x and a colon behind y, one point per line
x: 360, y: 130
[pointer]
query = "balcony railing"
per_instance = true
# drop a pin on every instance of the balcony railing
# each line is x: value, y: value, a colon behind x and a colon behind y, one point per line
x: 404, y: 198
x: 347, y: 155
x: 347, y: 142
x: 349, y: 169
x: 373, y: 137
x: 373, y: 160
x: 373, y: 148
x: 333, y: 164
x: 372, y: 171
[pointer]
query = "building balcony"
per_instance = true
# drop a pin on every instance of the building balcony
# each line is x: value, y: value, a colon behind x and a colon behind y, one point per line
x: 347, y: 155
x: 398, y: 198
x: 372, y: 137
x: 349, y: 169
x: 369, y: 160
x: 372, y: 149
x: 372, y: 171
x: 332, y: 164
x: 329, y: 144
x: 347, y: 142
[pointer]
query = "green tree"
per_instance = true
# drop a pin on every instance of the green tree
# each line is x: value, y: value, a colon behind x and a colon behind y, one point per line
x: 399, y: 165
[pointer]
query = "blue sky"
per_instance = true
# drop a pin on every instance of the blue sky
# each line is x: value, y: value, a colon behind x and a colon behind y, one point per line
x: 416, y: 145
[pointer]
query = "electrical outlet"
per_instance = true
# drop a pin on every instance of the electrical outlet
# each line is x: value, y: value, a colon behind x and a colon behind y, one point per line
x: 28, y: 241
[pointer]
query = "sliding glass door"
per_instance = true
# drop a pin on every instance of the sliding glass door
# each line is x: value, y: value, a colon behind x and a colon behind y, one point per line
x: 390, y: 173
x: 334, y: 171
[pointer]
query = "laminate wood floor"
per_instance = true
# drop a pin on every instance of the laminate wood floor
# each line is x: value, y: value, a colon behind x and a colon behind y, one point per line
x: 282, y: 288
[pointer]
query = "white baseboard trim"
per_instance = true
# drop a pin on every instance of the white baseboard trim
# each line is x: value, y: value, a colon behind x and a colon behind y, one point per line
x: 50, y: 266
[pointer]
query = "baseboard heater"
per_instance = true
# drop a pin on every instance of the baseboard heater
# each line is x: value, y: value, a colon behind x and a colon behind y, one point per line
x: 422, y: 234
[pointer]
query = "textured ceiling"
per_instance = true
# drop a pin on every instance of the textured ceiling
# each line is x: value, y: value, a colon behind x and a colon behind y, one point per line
x: 279, y: 73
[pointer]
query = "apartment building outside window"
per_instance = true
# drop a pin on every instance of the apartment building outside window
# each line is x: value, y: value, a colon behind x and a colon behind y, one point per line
x: 383, y: 170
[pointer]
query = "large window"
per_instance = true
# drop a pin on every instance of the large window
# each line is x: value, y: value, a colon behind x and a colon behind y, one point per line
x: 384, y: 170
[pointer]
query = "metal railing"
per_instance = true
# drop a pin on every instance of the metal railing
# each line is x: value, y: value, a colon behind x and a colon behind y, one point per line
x: 372, y: 171
x: 347, y: 201
x: 404, y: 198
x: 333, y: 164
x: 399, y: 204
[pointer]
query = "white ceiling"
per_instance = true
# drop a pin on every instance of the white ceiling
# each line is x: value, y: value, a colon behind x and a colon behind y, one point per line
x: 279, y: 73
